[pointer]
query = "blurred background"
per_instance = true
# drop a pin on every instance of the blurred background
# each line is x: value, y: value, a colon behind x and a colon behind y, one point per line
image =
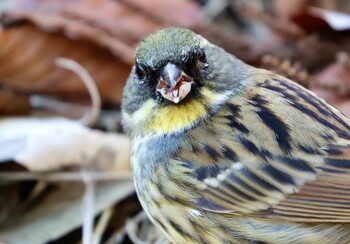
x: 64, y: 160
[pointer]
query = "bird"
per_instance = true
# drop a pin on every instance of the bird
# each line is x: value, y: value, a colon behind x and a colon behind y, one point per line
x: 224, y: 152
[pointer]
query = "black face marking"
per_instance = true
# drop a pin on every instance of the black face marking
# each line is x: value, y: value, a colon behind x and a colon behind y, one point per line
x: 272, y: 121
x: 201, y: 55
x: 140, y: 72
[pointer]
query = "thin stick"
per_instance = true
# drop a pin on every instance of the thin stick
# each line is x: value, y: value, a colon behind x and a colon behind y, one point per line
x: 132, y: 228
x: 88, y: 207
x: 64, y: 176
x: 102, y: 225
x: 90, y: 118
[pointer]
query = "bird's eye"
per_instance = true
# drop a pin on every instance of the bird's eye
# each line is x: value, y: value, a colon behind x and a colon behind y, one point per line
x: 140, y: 71
x: 201, y: 56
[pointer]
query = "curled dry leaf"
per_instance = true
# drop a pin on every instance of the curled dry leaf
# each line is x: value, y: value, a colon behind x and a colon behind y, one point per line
x: 313, y: 19
x: 51, y: 144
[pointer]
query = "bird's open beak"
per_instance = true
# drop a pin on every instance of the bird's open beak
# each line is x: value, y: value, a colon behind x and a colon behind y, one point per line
x: 174, y: 84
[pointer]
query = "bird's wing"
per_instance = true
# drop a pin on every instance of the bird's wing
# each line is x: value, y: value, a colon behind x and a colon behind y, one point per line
x: 276, y: 151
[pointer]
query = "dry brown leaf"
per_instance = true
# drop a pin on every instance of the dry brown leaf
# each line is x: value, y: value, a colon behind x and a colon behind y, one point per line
x: 29, y: 66
x: 100, y: 35
x: 336, y: 20
x: 51, y: 144
x: 12, y: 103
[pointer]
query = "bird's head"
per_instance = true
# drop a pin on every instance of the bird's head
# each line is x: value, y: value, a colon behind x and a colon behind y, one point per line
x: 178, y: 78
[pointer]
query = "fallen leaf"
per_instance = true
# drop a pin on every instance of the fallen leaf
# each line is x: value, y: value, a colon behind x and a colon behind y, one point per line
x: 50, y: 144
x: 12, y: 103
x: 336, y: 20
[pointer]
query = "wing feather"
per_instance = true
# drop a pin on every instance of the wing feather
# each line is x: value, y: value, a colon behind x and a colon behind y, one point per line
x: 302, y: 175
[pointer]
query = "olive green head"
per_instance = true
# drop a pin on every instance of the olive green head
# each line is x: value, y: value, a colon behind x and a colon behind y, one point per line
x: 177, y: 73
x: 175, y: 45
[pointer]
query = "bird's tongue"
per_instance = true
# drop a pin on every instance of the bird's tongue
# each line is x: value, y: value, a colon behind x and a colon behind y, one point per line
x: 177, y: 93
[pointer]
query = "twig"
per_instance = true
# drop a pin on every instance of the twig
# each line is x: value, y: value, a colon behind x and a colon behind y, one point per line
x: 64, y: 176
x: 90, y: 118
x: 88, y: 207
x: 131, y: 228
x: 102, y: 225
x: 53, y: 105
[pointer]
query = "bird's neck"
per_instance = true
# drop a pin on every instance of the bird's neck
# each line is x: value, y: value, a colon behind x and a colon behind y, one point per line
x: 179, y: 117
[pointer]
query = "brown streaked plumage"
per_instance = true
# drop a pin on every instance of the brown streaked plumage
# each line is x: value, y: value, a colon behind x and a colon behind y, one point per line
x: 247, y: 156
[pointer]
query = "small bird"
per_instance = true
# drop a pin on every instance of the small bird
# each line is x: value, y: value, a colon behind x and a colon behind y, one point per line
x: 227, y: 153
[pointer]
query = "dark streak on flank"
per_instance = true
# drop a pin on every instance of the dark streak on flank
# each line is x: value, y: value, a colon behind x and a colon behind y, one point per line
x: 334, y: 150
x: 179, y: 229
x: 279, y: 175
x: 236, y: 124
x: 272, y: 121
x: 218, y: 194
x: 237, y: 191
x: 210, y: 205
x: 312, y: 114
x: 318, y: 104
x: 212, y: 152
x: 199, y: 230
x: 237, y: 181
x: 259, y: 181
x: 284, y: 92
x: 339, y: 163
x: 229, y: 153
x: 233, y: 118
x: 250, y: 146
x: 207, y: 172
x: 308, y: 150
x: 181, y: 201
x: 161, y: 224
x: 296, y: 163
